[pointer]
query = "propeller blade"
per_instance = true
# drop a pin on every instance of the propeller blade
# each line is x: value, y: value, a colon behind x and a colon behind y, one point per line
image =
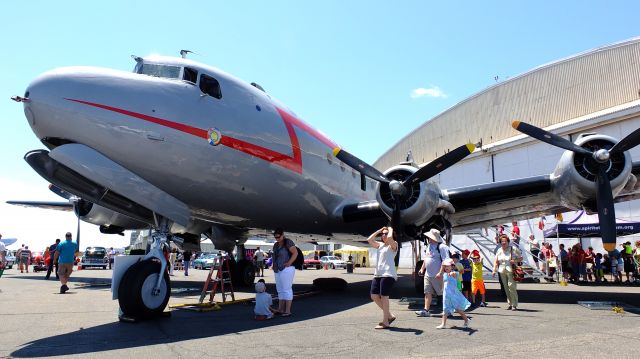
x: 627, y: 143
x: 548, y: 137
x: 440, y: 164
x: 606, y: 210
x: 359, y: 165
x: 78, y: 234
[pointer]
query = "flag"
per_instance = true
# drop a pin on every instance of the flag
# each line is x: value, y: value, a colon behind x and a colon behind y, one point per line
x: 541, y: 223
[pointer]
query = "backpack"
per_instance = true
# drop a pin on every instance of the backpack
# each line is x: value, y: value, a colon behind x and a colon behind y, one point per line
x: 299, y: 261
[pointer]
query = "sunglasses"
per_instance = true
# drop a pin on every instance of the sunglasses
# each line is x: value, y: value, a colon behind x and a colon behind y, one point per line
x: 277, y: 235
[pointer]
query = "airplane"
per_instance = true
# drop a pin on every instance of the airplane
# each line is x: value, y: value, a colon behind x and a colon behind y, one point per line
x: 192, y: 151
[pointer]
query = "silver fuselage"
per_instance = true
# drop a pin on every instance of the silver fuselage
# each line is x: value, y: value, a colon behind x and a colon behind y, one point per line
x: 269, y: 169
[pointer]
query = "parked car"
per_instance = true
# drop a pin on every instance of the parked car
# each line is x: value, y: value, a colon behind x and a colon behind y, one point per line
x: 333, y: 262
x: 312, y: 262
x: 205, y: 261
x: 11, y: 259
x: 94, y: 257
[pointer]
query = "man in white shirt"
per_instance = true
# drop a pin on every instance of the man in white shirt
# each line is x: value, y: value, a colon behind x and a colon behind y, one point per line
x: 436, y: 252
x: 259, y: 257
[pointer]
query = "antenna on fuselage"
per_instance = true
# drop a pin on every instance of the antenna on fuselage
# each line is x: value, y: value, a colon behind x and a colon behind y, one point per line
x: 184, y: 53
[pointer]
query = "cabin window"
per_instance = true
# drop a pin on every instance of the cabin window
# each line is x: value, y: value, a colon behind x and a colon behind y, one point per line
x: 210, y: 86
x: 164, y: 71
x: 190, y: 75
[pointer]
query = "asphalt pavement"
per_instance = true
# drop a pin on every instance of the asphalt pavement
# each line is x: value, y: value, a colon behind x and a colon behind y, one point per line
x: 37, y: 321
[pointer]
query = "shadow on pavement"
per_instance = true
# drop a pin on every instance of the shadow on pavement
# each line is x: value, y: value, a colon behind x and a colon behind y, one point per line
x: 185, y: 325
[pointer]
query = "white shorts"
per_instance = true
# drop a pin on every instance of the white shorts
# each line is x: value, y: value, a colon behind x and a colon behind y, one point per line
x: 284, y: 283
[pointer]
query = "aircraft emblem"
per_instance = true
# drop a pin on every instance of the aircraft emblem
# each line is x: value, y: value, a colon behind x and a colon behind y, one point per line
x: 214, y: 136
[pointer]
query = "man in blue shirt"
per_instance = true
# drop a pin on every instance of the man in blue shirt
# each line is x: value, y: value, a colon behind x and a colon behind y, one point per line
x: 65, y: 257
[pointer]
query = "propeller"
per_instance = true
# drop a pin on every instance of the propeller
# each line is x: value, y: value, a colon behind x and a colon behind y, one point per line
x: 399, y: 189
x: 600, y: 160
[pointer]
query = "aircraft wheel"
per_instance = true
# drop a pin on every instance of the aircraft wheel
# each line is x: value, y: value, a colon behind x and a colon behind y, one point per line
x: 135, y: 292
x: 243, y: 273
x: 419, y: 279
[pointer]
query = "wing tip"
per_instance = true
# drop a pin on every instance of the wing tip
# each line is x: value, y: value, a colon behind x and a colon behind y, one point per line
x: 515, y: 124
x: 336, y: 151
x: 471, y: 147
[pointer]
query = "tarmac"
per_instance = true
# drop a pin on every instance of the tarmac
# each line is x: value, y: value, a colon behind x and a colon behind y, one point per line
x: 37, y: 321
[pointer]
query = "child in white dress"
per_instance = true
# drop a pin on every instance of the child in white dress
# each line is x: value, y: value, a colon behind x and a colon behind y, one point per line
x: 452, y: 298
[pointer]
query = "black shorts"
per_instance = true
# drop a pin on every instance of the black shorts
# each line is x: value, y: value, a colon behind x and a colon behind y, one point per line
x: 382, y: 285
x: 628, y: 264
x: 535, y: 253
x: 466, y: 285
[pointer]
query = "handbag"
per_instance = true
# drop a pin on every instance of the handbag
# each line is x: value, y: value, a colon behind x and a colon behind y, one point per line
x: 517, y: 271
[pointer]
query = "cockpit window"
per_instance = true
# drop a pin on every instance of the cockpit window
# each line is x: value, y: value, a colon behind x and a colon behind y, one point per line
x: 165, y: 71
x: 190, y: 75
x: 210, y: 86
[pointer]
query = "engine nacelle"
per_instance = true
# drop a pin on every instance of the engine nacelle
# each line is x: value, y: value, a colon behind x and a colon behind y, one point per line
x: 574, y: 178
x: 419, y: 205
x: 104, y: 217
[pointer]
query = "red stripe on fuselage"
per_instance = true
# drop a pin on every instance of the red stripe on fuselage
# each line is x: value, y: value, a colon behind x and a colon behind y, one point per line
x: 292, y: 163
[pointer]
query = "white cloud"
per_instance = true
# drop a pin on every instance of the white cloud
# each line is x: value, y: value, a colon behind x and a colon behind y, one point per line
x: 433, y: 91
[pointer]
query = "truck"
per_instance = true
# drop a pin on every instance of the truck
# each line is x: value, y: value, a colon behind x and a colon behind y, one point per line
x: 94, y: 257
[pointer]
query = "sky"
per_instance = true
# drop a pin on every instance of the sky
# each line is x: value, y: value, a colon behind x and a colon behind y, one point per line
x: 366, y: 73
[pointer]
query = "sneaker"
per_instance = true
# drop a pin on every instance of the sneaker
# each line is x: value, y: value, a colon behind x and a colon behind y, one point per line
x: 62, y: 290
x: 509, y: 308
x: 423, y: 313
x: 441, y: 326
x: 483, y: 304
x: 466, y: 324
x: 514, y: 309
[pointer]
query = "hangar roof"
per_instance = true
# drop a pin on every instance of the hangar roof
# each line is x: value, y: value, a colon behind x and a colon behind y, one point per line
x: 545, y: 96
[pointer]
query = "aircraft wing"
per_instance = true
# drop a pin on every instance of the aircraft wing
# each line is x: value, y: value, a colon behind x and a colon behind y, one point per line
x: 59, y: 206
x: 500, y: 202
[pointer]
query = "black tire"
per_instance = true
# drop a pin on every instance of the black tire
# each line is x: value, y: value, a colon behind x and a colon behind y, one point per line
x: 133, y: 302
x: 104, y: 267
x: 333, y: 266
x: 318, y: 267
x: 243, y: 273
x: 419, y: 279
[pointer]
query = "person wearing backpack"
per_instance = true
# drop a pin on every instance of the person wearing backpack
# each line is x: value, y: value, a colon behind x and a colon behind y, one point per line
x: 285, y: 254
x: 436, y: 253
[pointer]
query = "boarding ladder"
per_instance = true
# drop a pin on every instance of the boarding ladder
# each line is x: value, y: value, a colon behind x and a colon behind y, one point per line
x: 489, y: 247
x: 219, y: 276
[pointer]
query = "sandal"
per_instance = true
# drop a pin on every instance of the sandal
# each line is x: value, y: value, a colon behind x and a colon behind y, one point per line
x: 381, y: 326
x: 285, y: 314
x: 391, y: 320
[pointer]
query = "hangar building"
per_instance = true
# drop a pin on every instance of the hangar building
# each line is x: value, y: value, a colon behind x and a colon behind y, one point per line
x: 594, y: 91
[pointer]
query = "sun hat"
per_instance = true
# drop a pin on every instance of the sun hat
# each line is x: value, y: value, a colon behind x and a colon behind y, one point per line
x: 447, y: 262
x: 260, y: 287
x: 434, y: 234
